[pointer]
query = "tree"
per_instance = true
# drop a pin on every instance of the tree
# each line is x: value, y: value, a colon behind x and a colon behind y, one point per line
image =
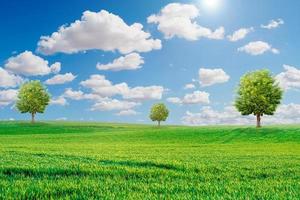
x: 32, y: 98
x: 258, y: 94
x: 159, y: 113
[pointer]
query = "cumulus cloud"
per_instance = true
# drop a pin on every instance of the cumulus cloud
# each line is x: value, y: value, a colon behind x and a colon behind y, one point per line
x: 258, y: 48
x: 95, y: 81
x: 29, y: 64
x: 144, y: 93
x: 101, y: 103
x: 240, y: 34
x: 102, y: 91
x: 177, y: 19
x: 100, y: 85
x: 285, y: 114
x: 127, y: 113
x: 197, y: 97
x: 60, y: 79
x: 189, y: 86
x: 93, y: 97
x: 131, y: 61
x: 174, y: 100
x: 273, y: 24
x: 98, y: 30
x: 61, y: 101
x: 113, y: 104
x: 8, y: 97
x: 208, y: 116
x: 105, y: 88
x: 74, y: 95
x: 290, y: 78
x: 8, y: 79
x: 210, y: 77
x: 80, y: 95
x: 55, y: 68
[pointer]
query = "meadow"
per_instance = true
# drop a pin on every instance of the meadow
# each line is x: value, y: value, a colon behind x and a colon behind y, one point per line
x: 71, y: 160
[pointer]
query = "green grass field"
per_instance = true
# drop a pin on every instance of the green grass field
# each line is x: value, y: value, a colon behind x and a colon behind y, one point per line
x: 116, y: 161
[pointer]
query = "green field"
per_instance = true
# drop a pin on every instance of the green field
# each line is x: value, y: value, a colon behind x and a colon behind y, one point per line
x: 117, y: 161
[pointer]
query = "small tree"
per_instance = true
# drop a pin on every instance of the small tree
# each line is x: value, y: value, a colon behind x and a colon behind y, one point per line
x: 159, y: 112
x: 32, y: 98
x: 258, y: 94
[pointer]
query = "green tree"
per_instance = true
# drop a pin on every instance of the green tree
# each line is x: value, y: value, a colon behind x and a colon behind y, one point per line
x: 32, y: 98
x: 159, y: 113
x: 258, y: 94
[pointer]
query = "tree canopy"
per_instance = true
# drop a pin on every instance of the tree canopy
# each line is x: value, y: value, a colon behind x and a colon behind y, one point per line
x: 33, y: 98
x: 159, y: 113
x: 258, y: 94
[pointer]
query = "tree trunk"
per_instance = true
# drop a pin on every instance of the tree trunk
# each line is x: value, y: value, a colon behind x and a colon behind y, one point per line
x: 258, y: 119
x: 32, y: 117
x: 158, y: 123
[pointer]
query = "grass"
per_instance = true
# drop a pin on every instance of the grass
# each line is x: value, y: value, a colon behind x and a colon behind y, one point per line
x: 117, y: 161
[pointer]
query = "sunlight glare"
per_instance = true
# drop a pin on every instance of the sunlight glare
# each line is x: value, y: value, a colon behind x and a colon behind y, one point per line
x: 211, y: 4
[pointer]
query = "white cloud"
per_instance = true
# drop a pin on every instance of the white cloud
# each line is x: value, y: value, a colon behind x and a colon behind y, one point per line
x: 29, y: 64
x: 8, y: 79
x: 93, y: 97
x: 95, y: 81
x: 208, y: 116
x: 102, y: 90
x: 286, y: 114
x: 61, y: 119
x: 174, y: 100
x: 98, y: 30
x: 210, y: 77
x: 8, y: 97
x: 74, y: 95
x: 273, y: 24
x: 55, y: 68
x: 189, y: 86
x: 131, y: 61
x: 102, y: 103
x: 240, y: 34
x: 127, y: 113
x: 179, y: 20
x: 59, y: 101
x: 197, y: 97
x: 80, y: 95
x: 290, y: 78
x: 113, y: 104
x: 100, y: 85
x: 144, y: 93
x: 60, y: 79
x: 275, y: 51
x: 258, y: 48
x: 103, y: 87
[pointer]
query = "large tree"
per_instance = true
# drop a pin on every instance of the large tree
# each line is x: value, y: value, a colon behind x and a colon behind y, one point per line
x: 258, y: 94
x: 32, y: 98
x: 159, y: 113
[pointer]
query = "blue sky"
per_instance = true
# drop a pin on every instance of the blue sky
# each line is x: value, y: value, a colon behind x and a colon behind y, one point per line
x: 178, y: 44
